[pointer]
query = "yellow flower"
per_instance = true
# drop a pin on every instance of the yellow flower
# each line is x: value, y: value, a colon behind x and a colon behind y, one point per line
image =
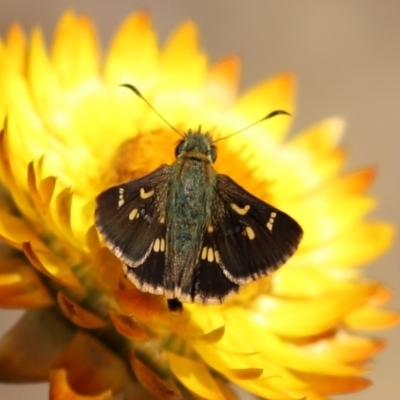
x: 70, y: 132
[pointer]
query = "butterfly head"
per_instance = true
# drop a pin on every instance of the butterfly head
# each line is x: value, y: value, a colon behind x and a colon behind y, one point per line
x: 196, y: 145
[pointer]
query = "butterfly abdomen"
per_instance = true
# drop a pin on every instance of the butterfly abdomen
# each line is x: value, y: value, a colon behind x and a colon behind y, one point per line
x: 189, y: 198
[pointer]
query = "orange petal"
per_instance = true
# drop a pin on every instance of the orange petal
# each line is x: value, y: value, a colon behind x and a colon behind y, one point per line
x: 21, y: 287
x: 27, y: 351
x: 75, y: 51
x: 334, y: 385
x: 61, y: 390
x: 16, y: 47
x: 78, y: 315
x: 245, y: 373
x: 92, y: 369
x: 223, y: 80
x: 134, y: 54
x: 311, y: 395
x: 349, y: 348
x: 127, y: 326
x: 226, y: 388
x: 372, y: 318
x: 93, y: 240
x: 195, y: 376
x: 354, y: 183
x: 163, y: 389
x: 52, y: 266
x: 145, y: 307
x: 381, y: 296
x: 108, y: 269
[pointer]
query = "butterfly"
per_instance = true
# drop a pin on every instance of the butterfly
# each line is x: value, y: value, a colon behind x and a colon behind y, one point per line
x: 190, y: 234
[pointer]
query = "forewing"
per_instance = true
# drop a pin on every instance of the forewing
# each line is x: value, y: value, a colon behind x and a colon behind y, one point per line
x: 130, y: 217
x: 252, y: 238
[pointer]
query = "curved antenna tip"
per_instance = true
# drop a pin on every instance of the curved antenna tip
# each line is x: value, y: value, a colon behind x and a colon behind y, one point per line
x: 270, y: 115
x: 137, y: 92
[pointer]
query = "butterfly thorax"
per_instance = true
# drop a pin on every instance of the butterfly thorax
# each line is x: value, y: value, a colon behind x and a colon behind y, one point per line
x: 188, y: 210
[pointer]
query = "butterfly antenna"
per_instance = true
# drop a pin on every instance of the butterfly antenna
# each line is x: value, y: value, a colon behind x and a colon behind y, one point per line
x: 268, y: 116
x: 136, y: 91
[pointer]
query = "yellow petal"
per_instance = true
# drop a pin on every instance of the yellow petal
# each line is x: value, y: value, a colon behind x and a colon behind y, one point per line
x: 195, y: 376
x: 360, y: 244
x: 322, y: 218
x: 320, y: 139
x: 183, y: 63
x: 133, y: 56
x: 41, y: 200
x: 9, y: 178
x: 52, y: 266
x: 45, y: 89
x: 328, y: 310
x: 62, y: 214
x: 315, y: 155
x: 307, y: 282
x: 273, y: 94
x: 15, y: 232
x: 75, y: 52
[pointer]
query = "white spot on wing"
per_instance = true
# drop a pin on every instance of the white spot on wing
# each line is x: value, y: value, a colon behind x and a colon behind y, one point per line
x: 121, y: 200
x: 156, y: 245
x: 146, y: 195
x: 271, y: 220
x: 250, y: 233
x: 133, y: 214
x: 239, y: 210
x: 210, y: 255
x: 204, y: 253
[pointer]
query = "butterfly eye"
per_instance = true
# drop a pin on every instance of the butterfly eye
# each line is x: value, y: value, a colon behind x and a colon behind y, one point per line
x: 179, y: 148
x: 213, y: 153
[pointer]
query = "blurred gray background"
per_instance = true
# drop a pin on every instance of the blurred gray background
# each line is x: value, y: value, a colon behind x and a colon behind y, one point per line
x: 346, y: 55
